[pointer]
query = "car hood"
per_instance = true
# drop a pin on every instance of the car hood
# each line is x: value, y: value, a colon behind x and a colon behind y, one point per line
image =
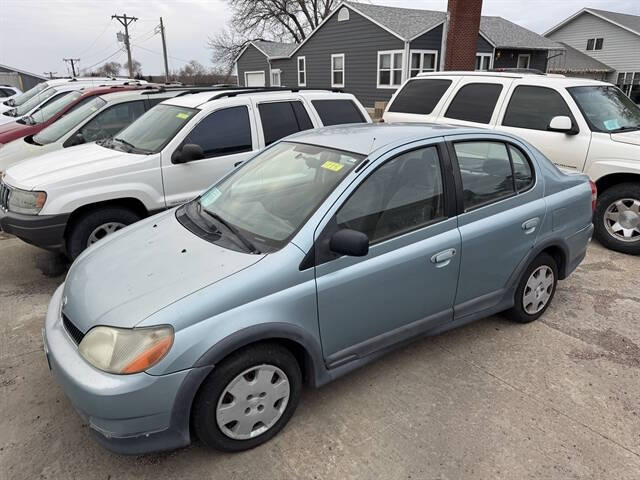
x: 143, y: 268
x: 627, y: 137
x: 13, y: 130
x: 63, y: 165
x: 19, y: 150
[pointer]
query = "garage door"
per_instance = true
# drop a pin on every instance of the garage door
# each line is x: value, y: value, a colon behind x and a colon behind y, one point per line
x: 255, y: 79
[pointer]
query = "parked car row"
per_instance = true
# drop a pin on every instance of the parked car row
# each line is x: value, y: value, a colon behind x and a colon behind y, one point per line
x: 298, y: 242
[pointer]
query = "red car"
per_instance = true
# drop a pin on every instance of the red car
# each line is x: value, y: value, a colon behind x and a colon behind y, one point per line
x: 47, y: 115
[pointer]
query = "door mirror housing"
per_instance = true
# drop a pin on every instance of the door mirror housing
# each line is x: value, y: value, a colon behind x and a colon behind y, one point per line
x: 188, y: 153
x: 562, y: 124
x: 349, y: 242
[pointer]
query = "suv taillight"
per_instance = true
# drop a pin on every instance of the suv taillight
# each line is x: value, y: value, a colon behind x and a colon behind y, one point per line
x: 594, y: 195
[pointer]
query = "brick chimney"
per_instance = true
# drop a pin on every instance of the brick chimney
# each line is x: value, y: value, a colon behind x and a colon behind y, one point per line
x: 461, y: 30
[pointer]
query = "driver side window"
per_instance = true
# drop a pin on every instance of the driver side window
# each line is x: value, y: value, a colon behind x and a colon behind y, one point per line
x: 404, y: 194
x: 112, y: 120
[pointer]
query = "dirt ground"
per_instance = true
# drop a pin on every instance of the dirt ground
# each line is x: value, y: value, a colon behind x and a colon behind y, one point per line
x: 557, y: 398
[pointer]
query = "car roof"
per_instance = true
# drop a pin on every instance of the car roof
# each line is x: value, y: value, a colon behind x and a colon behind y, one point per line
x: 366, y: 137
x: 545, y: 79
x: 134, y: 94
x: 199, y: 99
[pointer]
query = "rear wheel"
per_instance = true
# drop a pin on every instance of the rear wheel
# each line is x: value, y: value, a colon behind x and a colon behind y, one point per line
x: 95, y: 225
x: 536, y: 290
x: 248, y: 398
x: 617, y: 218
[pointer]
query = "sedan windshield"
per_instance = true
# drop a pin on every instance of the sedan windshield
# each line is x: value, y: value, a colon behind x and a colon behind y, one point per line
x: 153, y: 130
x: 45, y: 114
x: 61, y: 127
x: 28, y: 95
x: 264, y: 203
x: 29, y: 105
x: 606, y: 108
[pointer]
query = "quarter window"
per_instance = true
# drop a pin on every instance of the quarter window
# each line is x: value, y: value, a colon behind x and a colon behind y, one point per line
x: 534, y: 107
x: 423, y: 61
x: 475, y: 102
x: 112, y: 120
x: 486, y: 172
x: 223, y: 132
x: 302, y: 71
x: 337, y: 70
x: 420, y: 96
x: 337, y: 112
x: 390, y: 69
x: 404, y: 194
x: 280, y: 119
x: 522, y: 171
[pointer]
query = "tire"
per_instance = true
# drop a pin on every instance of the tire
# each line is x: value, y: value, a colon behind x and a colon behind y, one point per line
x: 90, y: 222
x: 530, y: 310
x: 624, y: 194
x: 213, y: 396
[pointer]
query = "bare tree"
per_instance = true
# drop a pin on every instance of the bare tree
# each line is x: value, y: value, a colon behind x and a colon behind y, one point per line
x: 137, y: 67
x: 277, y: 20
x: 109, y: 69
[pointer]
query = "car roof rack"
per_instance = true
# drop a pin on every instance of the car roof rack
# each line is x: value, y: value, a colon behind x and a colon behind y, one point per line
x: 235, y: 91
x: 155, y: 89
x: 531, y: 71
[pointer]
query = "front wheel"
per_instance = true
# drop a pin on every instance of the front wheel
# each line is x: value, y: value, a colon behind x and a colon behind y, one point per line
x: 536, y: 290
x: 617, y: 218
x: 248, y: 398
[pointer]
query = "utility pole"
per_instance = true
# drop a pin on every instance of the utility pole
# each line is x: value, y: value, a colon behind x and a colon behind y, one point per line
x: 164, y: 51
x: 126, y: 21
x: 51, y: 74
x: 73, y: 66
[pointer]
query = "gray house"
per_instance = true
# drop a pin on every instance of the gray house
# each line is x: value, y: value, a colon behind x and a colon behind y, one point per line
x: 19, y: 78
x: 369, y: 50
x: 611, y: 38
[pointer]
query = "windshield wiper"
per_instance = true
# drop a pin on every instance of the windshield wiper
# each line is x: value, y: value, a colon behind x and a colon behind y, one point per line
x: 124, y: 142
x: 252, y: 248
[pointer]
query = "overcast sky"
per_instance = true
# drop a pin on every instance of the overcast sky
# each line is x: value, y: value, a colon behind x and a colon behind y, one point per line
x: 36, y: 34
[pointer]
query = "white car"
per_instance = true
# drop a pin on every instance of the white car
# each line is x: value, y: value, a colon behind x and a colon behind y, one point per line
x: 579, y: 124
x: 7, y: 92
x: 101, y: 117
x: 69, y: 199
x: 40, y: 90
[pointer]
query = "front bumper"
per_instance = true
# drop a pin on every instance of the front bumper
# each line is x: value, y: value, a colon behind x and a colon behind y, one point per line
x: 44, y: 231
x: 129, y: 414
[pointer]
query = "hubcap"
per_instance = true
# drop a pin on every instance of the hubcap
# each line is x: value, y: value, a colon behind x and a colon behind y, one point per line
x: 253, y: 402
x: 622, y: 219
x: 104, y: 230
x: 537, y: 291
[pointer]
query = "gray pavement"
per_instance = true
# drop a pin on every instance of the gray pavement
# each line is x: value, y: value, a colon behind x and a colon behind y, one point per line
x: 558, y: 398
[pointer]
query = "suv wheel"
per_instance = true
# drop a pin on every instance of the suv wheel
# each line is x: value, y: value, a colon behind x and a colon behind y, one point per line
x: 248, y: 398
x: 536, y: 290
x: 95, y: 225
x: 617, y: 218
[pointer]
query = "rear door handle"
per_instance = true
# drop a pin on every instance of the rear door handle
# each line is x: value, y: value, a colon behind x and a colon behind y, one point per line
x: 530, y: 225
x: 237, y: 164
x: 442, y: 259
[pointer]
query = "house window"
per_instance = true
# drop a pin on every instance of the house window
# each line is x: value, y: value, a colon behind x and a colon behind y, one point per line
x: 590, y: 43
x: 343, y: 14
x: 599, y: 42
x: 390, y: 69
x: 275, y: 78
x: 302, y: 71
x: 523, y: 60
x: 483, y: 61
x: 337, y: 70
x: 423, y: 61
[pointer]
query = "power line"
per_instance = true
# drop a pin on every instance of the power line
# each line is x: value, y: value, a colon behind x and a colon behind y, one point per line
x: 97, y: 38
x: 104, y: 59
x: 158, y: 53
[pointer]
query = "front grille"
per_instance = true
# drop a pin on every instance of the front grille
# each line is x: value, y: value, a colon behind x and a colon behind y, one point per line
x: 4, y: 196
x: 72, y: 330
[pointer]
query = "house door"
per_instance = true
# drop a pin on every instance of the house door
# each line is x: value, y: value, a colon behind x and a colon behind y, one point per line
x: 254, y: 79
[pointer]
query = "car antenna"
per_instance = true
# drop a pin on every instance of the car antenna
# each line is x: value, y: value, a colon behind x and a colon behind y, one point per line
x: 372, y: 143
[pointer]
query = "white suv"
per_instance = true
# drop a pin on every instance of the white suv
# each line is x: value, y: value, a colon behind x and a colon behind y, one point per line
x: 581, y: 125
x: 69, y: 199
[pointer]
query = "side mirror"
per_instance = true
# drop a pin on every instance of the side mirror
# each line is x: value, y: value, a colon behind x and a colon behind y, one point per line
x: 188, y: 153
x: 562, y: 124
x: 77, y: 139
x: 349, y: 242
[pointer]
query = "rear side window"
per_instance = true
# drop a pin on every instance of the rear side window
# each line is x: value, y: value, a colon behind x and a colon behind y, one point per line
x: 475, y: 102
x: 280, y: 119
x: 420, y: 96
x: 223, y: 132
x: 534, y: 107
x: 338, y: 112
x: 522, y: 171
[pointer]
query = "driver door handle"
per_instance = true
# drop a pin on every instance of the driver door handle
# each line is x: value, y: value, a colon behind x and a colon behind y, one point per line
x: 442, y: 259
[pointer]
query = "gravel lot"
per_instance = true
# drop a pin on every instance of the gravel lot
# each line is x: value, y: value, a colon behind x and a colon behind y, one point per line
x: 554, y: 399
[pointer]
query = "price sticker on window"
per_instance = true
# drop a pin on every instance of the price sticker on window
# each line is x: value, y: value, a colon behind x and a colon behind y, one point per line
x: 333, y: 166
x: 183, y: 116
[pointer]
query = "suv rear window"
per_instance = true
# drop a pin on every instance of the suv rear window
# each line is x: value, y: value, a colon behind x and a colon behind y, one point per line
x: 280, y: 119
x: 420, y: 96
x: 475, y: 102
x: 338, y: 112
x: 534, y: 107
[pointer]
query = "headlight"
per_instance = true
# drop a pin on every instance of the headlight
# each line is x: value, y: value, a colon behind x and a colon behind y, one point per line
x: 126, y: 350
x: 26, y: 202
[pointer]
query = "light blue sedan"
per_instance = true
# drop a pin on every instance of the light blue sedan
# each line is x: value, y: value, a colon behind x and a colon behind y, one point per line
x: 319, y: 255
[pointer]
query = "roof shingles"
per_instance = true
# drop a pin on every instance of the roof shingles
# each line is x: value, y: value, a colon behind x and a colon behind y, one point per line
x: 274, y: 49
